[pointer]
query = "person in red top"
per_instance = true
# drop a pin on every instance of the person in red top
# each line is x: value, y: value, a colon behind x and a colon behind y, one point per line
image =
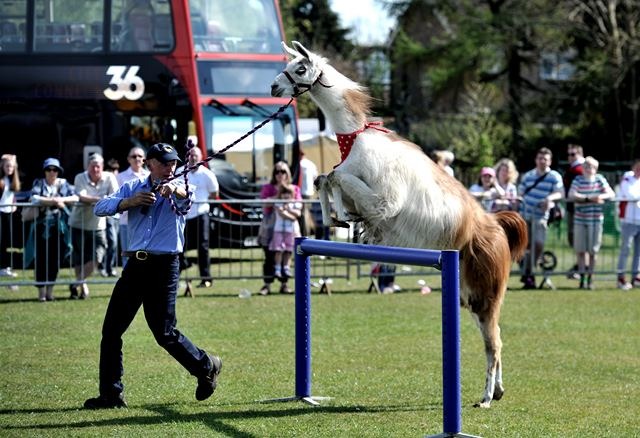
x: 281, y: 176
x: 575, y: 156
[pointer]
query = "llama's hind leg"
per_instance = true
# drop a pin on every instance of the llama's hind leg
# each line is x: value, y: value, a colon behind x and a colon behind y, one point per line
x: 490, y: 331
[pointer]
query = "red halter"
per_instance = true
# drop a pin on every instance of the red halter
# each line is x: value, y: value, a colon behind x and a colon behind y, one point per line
x: 345, y: 141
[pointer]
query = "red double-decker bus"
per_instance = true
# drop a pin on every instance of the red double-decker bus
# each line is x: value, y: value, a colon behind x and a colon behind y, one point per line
x: 80, y: 76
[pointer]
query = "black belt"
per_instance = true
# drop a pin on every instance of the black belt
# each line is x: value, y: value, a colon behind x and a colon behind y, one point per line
x: 144, y: 255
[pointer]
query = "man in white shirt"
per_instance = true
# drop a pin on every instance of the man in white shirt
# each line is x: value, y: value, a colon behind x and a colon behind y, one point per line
x: 197, y: 226
x: 308, y: 174
x: 135, y: 170
x: 87, y: 229
x: 630, y: 227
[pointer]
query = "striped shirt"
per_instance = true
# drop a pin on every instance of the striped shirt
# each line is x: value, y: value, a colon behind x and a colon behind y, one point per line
x: 589, y: 213
x: 531, y: 200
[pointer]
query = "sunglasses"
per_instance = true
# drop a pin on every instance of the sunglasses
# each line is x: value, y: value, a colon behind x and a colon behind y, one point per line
x: 571, y: 154
x: 136, y: 156
x: 276, y: 172
x: 51, y: 169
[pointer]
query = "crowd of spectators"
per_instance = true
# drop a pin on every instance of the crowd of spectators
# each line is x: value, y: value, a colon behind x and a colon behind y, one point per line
x: 542, y: 195
x: 73, y: 236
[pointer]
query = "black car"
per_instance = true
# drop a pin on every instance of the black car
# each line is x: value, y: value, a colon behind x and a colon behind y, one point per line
x: 234, y: 224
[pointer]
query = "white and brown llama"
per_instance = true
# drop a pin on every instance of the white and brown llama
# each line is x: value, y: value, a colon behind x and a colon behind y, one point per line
x: 404, y: 199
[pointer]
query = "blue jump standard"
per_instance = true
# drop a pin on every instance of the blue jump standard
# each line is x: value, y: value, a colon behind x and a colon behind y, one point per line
x: 447, y: 261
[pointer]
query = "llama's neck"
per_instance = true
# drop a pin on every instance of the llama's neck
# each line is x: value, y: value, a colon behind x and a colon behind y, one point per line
x: 334, y: 102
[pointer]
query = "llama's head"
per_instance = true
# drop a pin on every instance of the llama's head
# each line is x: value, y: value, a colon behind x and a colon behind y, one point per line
x: 301, y: 73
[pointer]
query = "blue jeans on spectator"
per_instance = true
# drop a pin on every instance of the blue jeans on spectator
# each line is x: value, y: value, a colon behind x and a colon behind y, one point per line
x: 111, y: 254
x: 629, y: 234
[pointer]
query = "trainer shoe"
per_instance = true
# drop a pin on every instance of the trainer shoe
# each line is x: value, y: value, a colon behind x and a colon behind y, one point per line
x: 208, y: 383
x: 103, y: 402
x: 7, y: 272
x: 635, y: 282
x: 623, y: 285
x: 529, y: 282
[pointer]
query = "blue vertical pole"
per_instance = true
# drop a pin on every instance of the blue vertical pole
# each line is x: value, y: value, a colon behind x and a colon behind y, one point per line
x: 303, y: 321
x: 451, y: 387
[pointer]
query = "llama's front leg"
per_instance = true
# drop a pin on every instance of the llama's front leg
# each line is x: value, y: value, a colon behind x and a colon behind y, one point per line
x: 321, y: 185
x: 366, y: 202
x: 341, y: 215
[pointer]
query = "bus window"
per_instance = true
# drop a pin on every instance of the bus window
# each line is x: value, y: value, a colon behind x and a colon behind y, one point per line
x: 67, y: 25
x: 13, y: 16
x: 254, y: 156
x: 141, y: 26
x: 241, y: 26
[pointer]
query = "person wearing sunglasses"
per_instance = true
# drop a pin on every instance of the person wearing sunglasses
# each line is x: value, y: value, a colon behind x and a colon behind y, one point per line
x: 135, y: 171
x: 49, y: 238
x: 575, y: 158
x: 280, y: 177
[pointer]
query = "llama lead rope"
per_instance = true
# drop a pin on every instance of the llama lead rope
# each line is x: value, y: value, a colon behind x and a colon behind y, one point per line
x: 189, y: 168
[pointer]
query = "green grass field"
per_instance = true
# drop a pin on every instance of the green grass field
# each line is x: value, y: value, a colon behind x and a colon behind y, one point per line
x: 571, y: 358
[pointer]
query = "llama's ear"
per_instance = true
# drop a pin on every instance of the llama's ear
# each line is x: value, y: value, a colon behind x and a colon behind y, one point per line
x: 289, y: 50
x: 301, y: 49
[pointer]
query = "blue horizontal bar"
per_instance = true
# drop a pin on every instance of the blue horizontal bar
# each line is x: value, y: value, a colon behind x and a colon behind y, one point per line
x: 374, y: 253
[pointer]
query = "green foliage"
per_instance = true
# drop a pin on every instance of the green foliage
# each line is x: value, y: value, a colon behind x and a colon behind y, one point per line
x: 315, y: 25
x: 476, y: 135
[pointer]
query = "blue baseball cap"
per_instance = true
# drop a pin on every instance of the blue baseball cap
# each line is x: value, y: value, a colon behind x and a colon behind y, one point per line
x: 52, y: 162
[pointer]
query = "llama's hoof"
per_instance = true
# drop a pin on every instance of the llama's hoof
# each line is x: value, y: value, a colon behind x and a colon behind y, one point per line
x: 338, y: 223
x: 483, y: 404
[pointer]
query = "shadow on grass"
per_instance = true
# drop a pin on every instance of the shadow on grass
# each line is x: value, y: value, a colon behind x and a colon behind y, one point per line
x: 164, y: 413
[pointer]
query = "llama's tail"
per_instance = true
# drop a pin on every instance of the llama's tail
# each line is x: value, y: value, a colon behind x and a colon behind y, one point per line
x: 516, y: 230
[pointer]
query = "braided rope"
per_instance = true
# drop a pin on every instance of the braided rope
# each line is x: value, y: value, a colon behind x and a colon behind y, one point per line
x: 188, y: 168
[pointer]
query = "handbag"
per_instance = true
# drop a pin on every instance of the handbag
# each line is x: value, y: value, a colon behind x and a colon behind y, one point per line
x: 265, y: 231
x: 30, y: 213
x: 556, y: 214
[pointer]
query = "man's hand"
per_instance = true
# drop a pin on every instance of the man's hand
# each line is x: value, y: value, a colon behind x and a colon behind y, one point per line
x: 138, y: 199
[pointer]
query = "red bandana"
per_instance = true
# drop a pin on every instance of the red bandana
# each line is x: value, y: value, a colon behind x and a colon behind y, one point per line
x: 345, y: 141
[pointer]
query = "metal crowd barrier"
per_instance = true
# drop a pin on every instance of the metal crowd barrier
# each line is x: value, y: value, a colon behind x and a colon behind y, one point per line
x: 233, y: 247
x: 235, y: 254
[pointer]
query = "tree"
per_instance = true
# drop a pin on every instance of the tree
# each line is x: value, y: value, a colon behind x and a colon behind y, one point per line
x: 478, y: 41
x: 316, y: 26
x: 607, y: 35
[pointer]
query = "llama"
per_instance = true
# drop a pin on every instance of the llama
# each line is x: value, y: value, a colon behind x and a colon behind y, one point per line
x: 404, y: 199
